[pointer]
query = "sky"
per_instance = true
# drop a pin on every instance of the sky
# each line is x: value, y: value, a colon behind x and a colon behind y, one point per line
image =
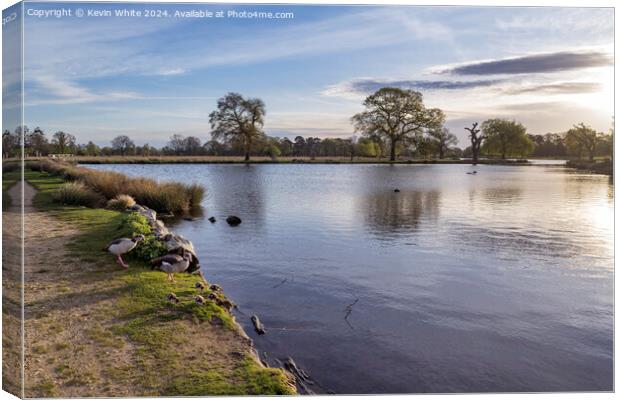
x: 149, y: 78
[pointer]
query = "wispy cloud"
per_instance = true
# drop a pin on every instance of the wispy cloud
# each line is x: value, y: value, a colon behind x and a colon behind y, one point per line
x: 537, y: 63
x: 364, y: 86
x: 557, y: 88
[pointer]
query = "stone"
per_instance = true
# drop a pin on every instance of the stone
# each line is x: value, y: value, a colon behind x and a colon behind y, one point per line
x: 233, y: 220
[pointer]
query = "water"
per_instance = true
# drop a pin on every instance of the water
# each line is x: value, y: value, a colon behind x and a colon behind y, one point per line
x: 500, y: 281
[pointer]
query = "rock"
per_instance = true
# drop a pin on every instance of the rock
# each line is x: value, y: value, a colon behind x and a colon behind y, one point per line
x: 212, y: 220
x: 258, y: 326
x: 233, y: 220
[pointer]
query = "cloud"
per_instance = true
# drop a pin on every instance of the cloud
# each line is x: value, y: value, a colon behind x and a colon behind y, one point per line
x: 364, y: 86
x: 558, y: 88
x: 49, y: 90
x: 538, y: 63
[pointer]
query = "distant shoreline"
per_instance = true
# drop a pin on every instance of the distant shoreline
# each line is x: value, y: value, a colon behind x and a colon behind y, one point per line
x: 267, y: 160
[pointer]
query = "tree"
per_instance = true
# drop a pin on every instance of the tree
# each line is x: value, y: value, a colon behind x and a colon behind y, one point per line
x: 177, y: 143
x: 299, y: 146
x: 37, y: 142
x: 122, y: 144
x: 92, y: 149
x: 396, y: 115
x: 476, y: 141
x: 506, y: 138
x: 63, y: 142
x: 238, y: 118
x: 192, y: 145
x: 582, y: 138
x: 442, y: 139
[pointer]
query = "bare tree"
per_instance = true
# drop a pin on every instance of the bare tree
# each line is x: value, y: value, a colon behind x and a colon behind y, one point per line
x: 63, y: 141
x: 476, y: 141
x: 122, y: 144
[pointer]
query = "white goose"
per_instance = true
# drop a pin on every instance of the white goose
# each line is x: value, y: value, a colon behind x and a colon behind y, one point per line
x: 173, y: 263
x: 122, y: 246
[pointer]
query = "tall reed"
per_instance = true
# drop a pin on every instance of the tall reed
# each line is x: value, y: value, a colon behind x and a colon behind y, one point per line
x: 167, y: 197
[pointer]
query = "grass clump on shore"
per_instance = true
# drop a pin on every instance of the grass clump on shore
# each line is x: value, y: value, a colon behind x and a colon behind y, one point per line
x: 121, y: 202
x: 167, y: 197
x: 78, y: 194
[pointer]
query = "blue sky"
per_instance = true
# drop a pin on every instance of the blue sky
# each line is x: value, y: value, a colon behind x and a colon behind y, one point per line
x: 151, y: 77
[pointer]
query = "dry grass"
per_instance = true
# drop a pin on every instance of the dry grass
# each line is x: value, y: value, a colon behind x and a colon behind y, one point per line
x: 162, y: 197
x: 121, y: 202
x: 78, y: 194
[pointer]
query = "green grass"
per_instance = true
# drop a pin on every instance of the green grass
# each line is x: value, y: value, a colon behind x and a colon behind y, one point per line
x: 254, y: 381
x: 143, y: 315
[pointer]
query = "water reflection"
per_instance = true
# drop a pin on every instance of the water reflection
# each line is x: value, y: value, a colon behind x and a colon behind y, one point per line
x: 243, y: 183
x: 496, y: 282
x: 388, y: 213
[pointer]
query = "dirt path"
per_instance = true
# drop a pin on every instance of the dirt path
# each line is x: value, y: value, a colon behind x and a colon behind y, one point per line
x: 72, y: 348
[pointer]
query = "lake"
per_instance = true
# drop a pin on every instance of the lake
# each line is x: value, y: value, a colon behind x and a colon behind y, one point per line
x: 499, y: 281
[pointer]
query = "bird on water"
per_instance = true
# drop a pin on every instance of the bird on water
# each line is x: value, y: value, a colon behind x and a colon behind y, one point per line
x: 173, y: 263
x: 121, y: 246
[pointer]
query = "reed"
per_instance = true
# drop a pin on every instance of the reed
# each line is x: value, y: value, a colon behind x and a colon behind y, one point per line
x: 165, y: 197
x: 78, y: 194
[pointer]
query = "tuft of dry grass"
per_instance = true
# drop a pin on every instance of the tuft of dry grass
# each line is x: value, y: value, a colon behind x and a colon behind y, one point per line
x: 121, y: 202
x: 169, y: 197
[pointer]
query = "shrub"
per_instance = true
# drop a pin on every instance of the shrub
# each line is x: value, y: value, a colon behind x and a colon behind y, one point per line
x: 77, y: 194
x: 9, y: 166
x: 150, y: 247
x: 121, y: 202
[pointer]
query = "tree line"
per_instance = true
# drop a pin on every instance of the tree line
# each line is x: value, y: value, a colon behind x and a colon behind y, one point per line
x: 394, y: 123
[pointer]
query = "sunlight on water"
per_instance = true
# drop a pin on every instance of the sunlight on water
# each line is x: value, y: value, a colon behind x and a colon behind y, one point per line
x: 500, y: 281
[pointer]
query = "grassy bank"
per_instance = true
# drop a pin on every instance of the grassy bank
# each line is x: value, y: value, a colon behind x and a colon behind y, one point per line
x: 166, y: 197
x: 268, y: 160
x: 605, y: 167
x: 135, y: 342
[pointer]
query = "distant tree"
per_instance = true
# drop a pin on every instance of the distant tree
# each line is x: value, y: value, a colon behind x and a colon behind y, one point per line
x: 10, y: 144
x: 313, y: 145
x: 506, y: 138
x: 63, y: 142
x: 442, y: 139
x: 286, y: 147
x: 476, y: 141
x: 396, y: 115
x: 582, y: 138
x: 91, y: 149
x: 238, y: 118
x: 366, y: 147
x: 193, y: 145
x: 36, y: 142
x: 122, y: 144
x: 299, y: 146
x: 177, y: 144
x: 213, y: 148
